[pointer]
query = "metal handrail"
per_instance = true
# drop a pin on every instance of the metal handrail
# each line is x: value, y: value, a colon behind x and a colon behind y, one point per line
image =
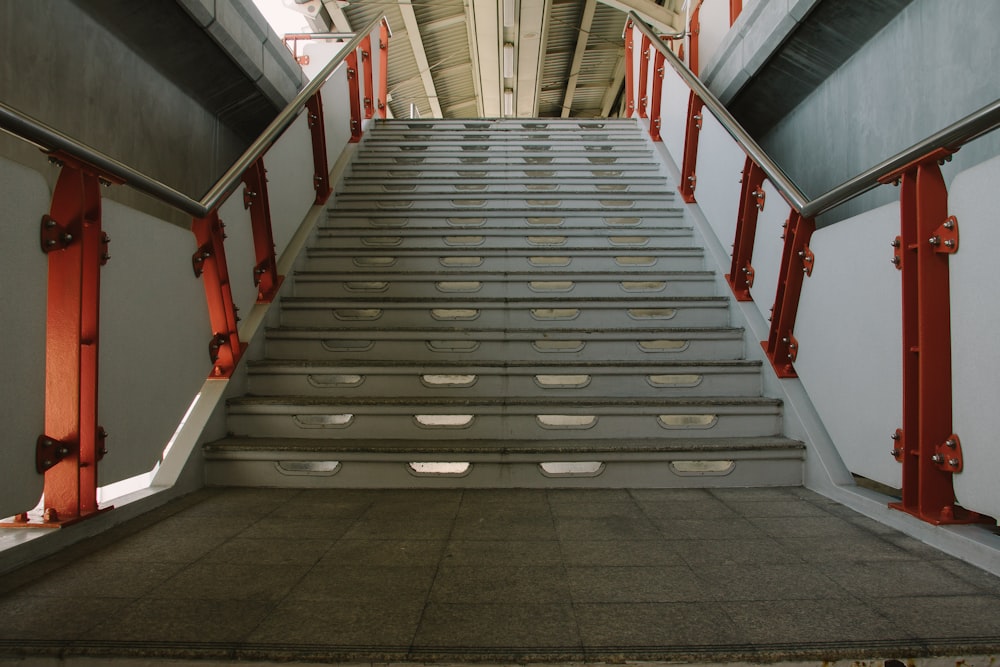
x: 51, y: 140
x: 969, y: 128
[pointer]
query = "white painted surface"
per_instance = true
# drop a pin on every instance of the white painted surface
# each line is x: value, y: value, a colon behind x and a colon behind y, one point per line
x: 767, y: 248
x: 849, y: 331
x: 714, y: 19
x: 25, y: 198
x: 636, y: 62
x: 674, y: 98
x: 336, y: 111
x: 720, y: 163
x: 290, y: 180
x: 975, y: 323
x: 240, y: 257
x: 154, y: 338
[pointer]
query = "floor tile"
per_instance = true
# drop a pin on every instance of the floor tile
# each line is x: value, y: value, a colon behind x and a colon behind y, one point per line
x: 648, y: 625
x: 230, y: 581
x: 499, y: 553
x: 683, y: 510
x: 597, y: 510
x: 147, y: 547
x: 612, y: 528
x: 636, y: 584
x: 779, y: 581
x: 707, y: 529
x: 830, y: 527
x: 498, y: 626
x: 620, y: 553
x: 509, y: 585
x: 474, y: 525
x: 336, y: 623
x: 714, y: 553
x: 857, y: 548
x: 281, y: 528
x: 357, y: 581
x: 103, y: 578
x: 434, y: 529
x: 269, y: 551
x: 792, y: 507
x: 50, y: 618
x: 805, y: 622
x: 875, y: 579
x: 191, y: 620
x: 943, y: 616
x: 384, y: 553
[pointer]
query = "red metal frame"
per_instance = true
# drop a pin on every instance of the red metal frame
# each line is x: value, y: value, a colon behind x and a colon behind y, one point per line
x: 73, y: 442
x: 926, y: 445
x: 735, y: 9
x: 383, y: 70
x: 354, y: 94
x: 644, y: 76
x: 629, y: 71
x: 656, y: 122
x: 694, y: 29
x: 689, y: 166
x: 741, y: 274
x: 366, y: 60
x: 225, y: 348
x: 255, y: 199
x: 321, y: 165
x: 796, y: 263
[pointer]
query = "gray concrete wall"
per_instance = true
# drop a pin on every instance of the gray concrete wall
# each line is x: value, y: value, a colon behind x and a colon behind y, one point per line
x: 933, y: 64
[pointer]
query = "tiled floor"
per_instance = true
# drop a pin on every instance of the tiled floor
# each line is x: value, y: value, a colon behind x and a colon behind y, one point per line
x: 501, y: 575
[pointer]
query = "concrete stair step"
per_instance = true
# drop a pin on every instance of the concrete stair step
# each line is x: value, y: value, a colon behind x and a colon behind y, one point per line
x: 619, y: 284
x: 567, y: 173
x: 471, y: 237
x: 440, y: 418
x: 506, y: 462
x: 527, y: 221
x: 566, y: 344
x: 610, y: 203
x: 500, y: 378
x: 494, y: 313
x: 524, y: 160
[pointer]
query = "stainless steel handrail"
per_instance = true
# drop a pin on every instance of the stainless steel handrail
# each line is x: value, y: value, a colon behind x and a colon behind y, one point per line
x: 49, y: 139
x: 969, y: 128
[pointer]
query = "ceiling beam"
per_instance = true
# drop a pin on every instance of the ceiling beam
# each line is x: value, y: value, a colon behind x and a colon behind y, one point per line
x: 417, y: 44
x: 582, y: 36
x: 614, y: 86
x: 532, y: 35
x: 485, y: 44
x: 660, y: 17
x: 338, y: 19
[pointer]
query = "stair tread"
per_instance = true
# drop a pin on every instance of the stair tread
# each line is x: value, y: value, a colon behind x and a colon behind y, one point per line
x: 622, y: 445
x: 501, y: 363
x: 506, y: 401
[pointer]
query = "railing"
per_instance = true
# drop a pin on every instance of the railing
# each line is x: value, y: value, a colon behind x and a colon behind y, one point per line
x: 708, y: 150
x: 76, y: 247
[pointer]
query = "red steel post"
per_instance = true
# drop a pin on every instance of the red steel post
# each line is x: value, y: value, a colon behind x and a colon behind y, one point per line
x: 643, y: 76
x: 796, y: 263
x: 689, y: 165
x: 383, y: 70
x: 694, y: 29
x: 255, y: 199
x: 354, y: 95
x: 209, y: 261
x: 735, y: 9
x: 741, y: 274
x: 629, y: 71
x: 73, y: 442
x: 366, y: 60
x: 655, y: 121
x: 926, y: 444
x: 321, y: 165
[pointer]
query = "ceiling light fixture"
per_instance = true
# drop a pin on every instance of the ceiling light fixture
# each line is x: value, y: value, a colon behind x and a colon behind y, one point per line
x: 508, y: 60
x: 508, y: 101
x: 508, y: 13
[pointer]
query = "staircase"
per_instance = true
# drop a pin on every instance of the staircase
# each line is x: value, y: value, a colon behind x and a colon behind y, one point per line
x: 504, y: 303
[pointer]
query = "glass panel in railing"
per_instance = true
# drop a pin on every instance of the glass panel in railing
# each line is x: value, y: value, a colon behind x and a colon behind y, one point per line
x: 154, y: 336
x: 336, y: 113
x: 975, y: 321
x: 673, y: 113
x: 22, y: 337
x: 714, y: 18
x: 290, y: 170
x: 768, y: 247
x: 240, y: 256
x: 720, y: 163
x: 849, y: 333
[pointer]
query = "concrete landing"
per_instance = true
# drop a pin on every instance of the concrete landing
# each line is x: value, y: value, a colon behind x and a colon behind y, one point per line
x: 500, y: 576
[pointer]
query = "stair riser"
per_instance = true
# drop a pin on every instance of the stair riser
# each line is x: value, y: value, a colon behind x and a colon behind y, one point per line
x: 542, y: 349
x: 567, y: 175
x: 566, y: 159
x: 529, y: 224
x: 443, y: 314
x: 347, y: 384
x: 537, y: 204
x: 528, y: 187
x: 461, y: 240
x: 636, y: 473
x: 540, y: 263
x: 383, y: 422
x: 400, y: 287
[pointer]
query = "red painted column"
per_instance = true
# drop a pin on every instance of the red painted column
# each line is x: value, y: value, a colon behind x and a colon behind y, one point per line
x: 689, y: 164
x: 383, y: 70
x: 796, y: 263
x: 354, y: 95
x: 255, y: 199
x: 321, y: 165
x: 209, y: 261
x: 366, y: 60
x: 655, y: 120
x: 741, y: 274
x: 927, y: 446
x: 643, y: 76
x: 73, y: 441
x: 694, y: 29
x: 629, y: 71
x: 735, y: 9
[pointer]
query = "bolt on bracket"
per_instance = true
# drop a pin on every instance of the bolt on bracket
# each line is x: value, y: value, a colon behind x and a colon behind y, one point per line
x: 49, y: 452
x: 808, y: 260
x: 945, y: 238
x: 948, y: 455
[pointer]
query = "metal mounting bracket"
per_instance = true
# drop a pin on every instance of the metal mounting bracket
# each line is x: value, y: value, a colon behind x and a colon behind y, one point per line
x: 945, y: 238
x: 750, y: 273
x: 897, y: 445
x: 948, y: 455
x: 199, y: 257
x: 759, y: 195
x: 897, y: 253
x: 808, y: 260
x: 49, y: 452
